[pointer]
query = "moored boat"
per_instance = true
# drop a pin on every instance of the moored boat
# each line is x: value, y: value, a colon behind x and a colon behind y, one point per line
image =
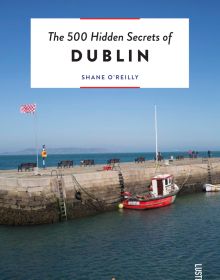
x: 162, y: 192
x: 211, y: 188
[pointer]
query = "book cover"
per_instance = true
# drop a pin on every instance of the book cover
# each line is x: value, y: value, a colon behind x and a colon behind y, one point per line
x: 109, y: 155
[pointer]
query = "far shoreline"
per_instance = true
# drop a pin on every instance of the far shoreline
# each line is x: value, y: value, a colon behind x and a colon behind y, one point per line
x: 110, y: 153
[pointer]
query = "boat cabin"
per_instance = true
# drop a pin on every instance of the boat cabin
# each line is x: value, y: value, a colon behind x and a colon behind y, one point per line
x: 162, y: 184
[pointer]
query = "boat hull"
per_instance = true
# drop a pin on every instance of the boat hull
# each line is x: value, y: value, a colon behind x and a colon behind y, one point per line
x: 150, y: 204
x: 211, y: 188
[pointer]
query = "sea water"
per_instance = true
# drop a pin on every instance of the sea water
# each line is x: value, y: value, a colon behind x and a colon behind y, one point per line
x: 157, y: 244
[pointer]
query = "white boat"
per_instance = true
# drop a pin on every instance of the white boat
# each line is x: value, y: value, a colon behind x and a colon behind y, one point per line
x: 211, y: 188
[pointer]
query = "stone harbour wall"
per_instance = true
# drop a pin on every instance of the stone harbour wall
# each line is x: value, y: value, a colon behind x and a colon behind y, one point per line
x: 28, y: 201
x: 35, y: 200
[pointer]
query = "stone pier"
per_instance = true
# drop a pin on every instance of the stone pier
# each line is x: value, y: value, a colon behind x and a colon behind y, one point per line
x: 26, y: 198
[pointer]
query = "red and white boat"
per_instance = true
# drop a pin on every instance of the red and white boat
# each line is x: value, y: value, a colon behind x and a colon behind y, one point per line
x: 162, y: 192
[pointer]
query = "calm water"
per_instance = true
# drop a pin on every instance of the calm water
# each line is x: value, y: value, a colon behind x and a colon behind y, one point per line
x: 159, y: 244
x: 12, y: 162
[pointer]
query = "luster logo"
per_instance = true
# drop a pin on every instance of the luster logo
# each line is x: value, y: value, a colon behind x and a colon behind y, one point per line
x: 198, y: 271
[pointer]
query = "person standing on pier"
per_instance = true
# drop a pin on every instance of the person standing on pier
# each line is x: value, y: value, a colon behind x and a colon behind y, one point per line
x: 209, y: 153
x: 44, y: 156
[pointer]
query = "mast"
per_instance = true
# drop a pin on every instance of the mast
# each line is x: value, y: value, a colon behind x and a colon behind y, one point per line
x: 155, y: 123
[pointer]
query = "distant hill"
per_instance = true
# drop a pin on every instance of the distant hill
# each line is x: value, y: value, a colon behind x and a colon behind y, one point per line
x: 56, y: 151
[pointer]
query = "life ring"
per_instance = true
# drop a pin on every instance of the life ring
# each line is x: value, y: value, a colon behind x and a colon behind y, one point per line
x: 44, y: 154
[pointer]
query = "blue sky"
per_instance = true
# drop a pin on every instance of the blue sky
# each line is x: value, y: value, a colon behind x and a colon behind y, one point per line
x: 117, y: 120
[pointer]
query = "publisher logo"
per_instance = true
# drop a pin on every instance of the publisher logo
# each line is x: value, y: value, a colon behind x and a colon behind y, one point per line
x: 198, y: 271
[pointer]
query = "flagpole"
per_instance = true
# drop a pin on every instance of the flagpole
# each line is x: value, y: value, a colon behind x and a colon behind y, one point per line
x: 36, y: 138
x: 31, y: 109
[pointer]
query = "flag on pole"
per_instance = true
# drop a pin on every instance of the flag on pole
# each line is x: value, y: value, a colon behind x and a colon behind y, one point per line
x: 28, y: 108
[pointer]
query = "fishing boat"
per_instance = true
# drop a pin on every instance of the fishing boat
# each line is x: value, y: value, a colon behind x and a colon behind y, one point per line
x: 211, y: 188
x: 162, y: 192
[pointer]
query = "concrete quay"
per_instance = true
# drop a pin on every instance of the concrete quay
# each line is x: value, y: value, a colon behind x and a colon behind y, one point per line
x: 51, y: 196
